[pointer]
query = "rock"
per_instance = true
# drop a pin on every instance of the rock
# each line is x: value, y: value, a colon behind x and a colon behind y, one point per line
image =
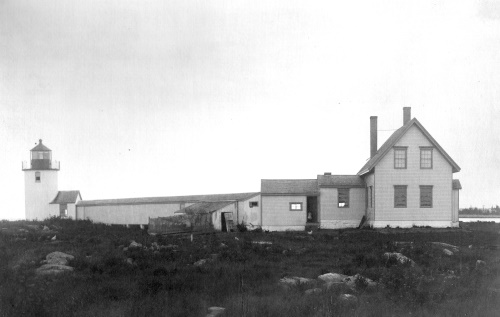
x: 169, y: 246
x: 447, y: 252
x: 215, y: 311
x: 288, y: 282
x: 348, y: 299
x: 130, y: 261
x: 337, y: 286
x: 480, y: 264
x: 446, y: 245
x: 121, y: 246
x: 134, y: 244
x: 45, y: 228
x: 262, y: 242
x: 332, y: 278
x: 53, y: 238
x: 48, y: 269
x: 364, y: 280
x: 200, y: 262
x: 313, y: 291
x: 125, y: 249
x: 60, y: 261
x: 58, y: 255
x: 223, y: 245
x: 399, y: 258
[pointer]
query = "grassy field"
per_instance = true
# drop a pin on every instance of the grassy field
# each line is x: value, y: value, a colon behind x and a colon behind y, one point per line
x: 161, y: 278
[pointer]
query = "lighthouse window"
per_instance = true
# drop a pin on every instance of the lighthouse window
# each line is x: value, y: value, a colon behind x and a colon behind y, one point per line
x: 37, y: 177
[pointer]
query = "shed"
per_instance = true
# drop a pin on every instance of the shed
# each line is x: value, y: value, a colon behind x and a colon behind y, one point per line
x: 66, y: 201
x: 199, y: 217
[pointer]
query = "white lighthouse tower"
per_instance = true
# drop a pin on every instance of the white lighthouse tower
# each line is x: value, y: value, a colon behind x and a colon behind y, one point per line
x: 40, y: 182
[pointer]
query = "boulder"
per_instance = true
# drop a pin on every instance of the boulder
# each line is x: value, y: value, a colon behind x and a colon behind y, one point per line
x: 348, y: 299
x: 313, y: 291
x: 45, y: 228
x: 399, y: 258
x: 366, y: 281
x: 215, y: 311
x: 333, y: 278
x: 134, y: 244
x: 447, y: 252
x: 49, y: 269
x: 169, y: 246
x: 200, y: 262
x: 130, y: 261
x: 446, y: 245
x: 59, y: 255
x: 293, y: 281
x: 480, y: 264
x: 262, y: 242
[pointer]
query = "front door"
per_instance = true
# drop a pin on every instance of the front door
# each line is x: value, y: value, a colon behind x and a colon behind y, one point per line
x: 312, y: 209
x: 223, y: 222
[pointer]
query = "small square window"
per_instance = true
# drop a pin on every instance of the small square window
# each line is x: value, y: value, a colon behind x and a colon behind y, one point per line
x: 254, y: 204
x: 295, y: 206
x: 37, y: 177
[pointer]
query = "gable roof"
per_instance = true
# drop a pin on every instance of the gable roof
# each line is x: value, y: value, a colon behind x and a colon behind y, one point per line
x: 455, y: 184
x: 169, y: 199
x: 203, y: 207
x: 303, y: 187
x: 40, y: 147
x: 66, y: 197
x: 395, y: 137
x: 340, y: 181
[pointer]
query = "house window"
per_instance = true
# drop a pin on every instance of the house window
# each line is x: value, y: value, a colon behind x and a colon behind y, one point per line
x: 296, y: 206
x: 425, y: 157
x: 37, y: 177
x: 400, y: 196
x: 425, y: 196
x: 343, y: 197
x: 400, y: 157
x: 370, y: 196
x: 254, y: 204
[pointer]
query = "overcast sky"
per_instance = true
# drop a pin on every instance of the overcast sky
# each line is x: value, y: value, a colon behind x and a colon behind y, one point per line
x: 160, y: 98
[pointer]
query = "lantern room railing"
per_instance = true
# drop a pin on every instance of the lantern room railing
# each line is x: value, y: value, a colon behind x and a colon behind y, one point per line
x: 41, y: 165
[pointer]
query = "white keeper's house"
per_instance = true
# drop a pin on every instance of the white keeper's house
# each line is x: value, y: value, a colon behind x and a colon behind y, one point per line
x: 407, y: 182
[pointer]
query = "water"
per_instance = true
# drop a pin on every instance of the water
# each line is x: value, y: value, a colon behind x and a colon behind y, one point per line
x: 495, y: 219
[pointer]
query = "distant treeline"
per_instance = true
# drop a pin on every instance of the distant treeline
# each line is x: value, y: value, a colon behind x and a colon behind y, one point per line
x: 480, y: 211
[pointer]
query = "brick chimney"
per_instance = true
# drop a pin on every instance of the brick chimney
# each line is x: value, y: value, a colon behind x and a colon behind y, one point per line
x: 406, y: 115
x: 373, y: 135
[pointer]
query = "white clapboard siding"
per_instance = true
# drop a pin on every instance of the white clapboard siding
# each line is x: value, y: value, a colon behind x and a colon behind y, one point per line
x: 440, y: 177
x: 276, y: 212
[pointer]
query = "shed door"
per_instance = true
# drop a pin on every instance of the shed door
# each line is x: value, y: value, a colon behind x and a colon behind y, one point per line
x: 63, y: 210
x: 227, y: 221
